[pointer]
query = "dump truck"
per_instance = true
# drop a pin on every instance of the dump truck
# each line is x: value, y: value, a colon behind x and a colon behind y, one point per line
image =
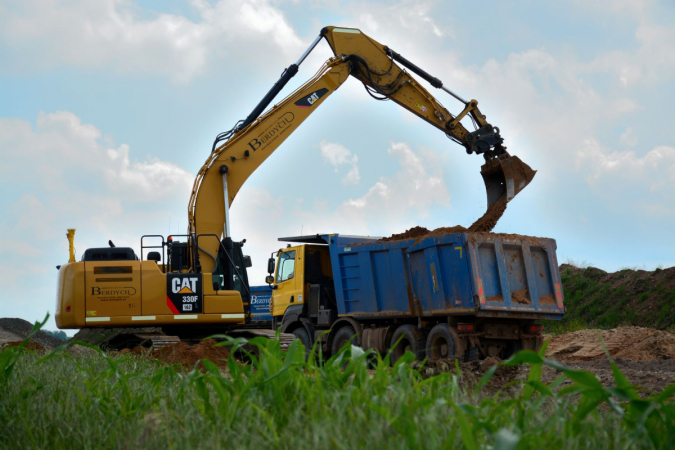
x: 458, y: 295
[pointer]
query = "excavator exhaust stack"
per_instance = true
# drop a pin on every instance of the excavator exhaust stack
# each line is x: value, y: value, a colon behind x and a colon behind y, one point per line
x: 505, y: 176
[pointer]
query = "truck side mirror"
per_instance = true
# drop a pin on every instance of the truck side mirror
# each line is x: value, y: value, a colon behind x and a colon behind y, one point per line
x: 247, y: 261
x: 269, y: 279
x: 270, y: 265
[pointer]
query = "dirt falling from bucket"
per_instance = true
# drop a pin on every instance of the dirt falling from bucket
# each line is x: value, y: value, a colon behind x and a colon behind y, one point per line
x: 489, y: 220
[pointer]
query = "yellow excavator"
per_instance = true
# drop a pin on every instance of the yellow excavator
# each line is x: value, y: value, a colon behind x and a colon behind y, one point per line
x: 196, y: 284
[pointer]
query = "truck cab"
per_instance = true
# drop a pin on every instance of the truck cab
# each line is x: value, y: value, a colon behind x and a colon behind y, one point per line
x: 303, y: 285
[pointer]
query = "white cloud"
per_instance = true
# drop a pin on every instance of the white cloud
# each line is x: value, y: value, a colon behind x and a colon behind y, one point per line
x: 338, y: 155
x: 629, y: 181
x: 113, y: 35
x: 652, y: 62
x: 60, y: 175
x: 414, y: 187
x: 628, y: 138
x: 62, y: 151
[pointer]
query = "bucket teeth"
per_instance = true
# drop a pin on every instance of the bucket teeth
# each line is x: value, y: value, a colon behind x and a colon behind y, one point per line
x: 505, y: 177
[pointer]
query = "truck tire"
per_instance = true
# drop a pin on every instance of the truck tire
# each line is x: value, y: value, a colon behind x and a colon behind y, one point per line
x: 407, y: 338
x: 472, y: 354
x: 341, y: 338
x: 302, y: 335
x: 441, y: 342
x: 512, y: 347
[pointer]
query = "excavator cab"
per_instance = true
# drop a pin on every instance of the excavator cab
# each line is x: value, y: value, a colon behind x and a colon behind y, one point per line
x: 505, y: 176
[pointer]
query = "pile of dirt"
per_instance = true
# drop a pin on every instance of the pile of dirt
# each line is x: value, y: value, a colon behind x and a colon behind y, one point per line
x: 626, y: 297
x: 421, y: 233
x: 633, y: 343
x: 652, y: 377
x: 34, y: 346
x: 185, y: 354
x: 12, y: 330
x: 483, y: 225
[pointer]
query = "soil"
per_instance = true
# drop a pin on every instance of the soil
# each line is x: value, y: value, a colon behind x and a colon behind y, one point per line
x: 547, y: 300
x: 651, y: 377
x: 413, y: 233
x: 633, y: 343
x: 521, y: 296
x: 185, y: 354
x: 483, y: 225
x: 19, y: 329
x: 34, y: 346
x: 489, y: 220
x: 645, y: 356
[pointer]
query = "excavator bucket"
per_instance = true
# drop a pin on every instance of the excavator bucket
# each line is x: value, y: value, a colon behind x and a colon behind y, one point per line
x: 505, y: 177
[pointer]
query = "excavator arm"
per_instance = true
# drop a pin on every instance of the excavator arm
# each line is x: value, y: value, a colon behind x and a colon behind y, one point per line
x: 253, y: 139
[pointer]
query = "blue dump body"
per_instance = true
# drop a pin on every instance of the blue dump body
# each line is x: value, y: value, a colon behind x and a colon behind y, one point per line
x: 485, y: 275
x: 260, y: 303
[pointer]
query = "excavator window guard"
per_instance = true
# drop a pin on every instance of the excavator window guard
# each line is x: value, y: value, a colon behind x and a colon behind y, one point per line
x: 235, y: 260
x: 190, y: 253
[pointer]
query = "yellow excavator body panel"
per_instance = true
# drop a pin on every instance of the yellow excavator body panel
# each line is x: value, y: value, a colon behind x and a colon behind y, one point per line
x: 137, y: 293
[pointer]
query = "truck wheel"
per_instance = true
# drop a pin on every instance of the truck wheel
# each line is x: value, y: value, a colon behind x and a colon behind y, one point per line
x: 441, y: 342
x: 407, y: 338
x: 302, y: 335
x: 472, y: 354
x: 341, y: 338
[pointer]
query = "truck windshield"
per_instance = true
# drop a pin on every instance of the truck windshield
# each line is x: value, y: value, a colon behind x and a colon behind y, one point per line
x: 286, y: 269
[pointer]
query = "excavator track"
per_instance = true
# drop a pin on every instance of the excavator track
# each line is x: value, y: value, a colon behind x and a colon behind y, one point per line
x: 155, y: 338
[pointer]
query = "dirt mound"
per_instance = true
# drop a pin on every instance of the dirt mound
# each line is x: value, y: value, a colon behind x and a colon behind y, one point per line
x: 628, y: 297
x: 633, y: 343
x: 412, y: 233
x: 652, y: 377
x: 34, y: 346
x: 483, y: 225
x: 22, y: 328
x: 185, y: 354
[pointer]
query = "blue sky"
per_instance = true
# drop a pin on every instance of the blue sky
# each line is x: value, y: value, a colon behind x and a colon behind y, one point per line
x: 109, y: 108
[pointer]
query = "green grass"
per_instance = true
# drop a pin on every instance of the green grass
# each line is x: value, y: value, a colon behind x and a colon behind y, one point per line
x: 592, y: 303
x: 281, y: 401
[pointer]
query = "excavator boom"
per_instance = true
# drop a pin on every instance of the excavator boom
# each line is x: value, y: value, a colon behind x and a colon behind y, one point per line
x: 378, y: 67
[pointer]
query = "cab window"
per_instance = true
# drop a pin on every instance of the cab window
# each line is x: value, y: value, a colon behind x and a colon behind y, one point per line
x: 286, y: 269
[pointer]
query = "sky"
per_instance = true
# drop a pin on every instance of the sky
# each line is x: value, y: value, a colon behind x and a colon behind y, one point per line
x: 108, y: 109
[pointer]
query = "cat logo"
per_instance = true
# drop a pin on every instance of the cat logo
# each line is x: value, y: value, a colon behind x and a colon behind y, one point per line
x: 184, y: 293
x: 307, y: 102
x: 184, y: 285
